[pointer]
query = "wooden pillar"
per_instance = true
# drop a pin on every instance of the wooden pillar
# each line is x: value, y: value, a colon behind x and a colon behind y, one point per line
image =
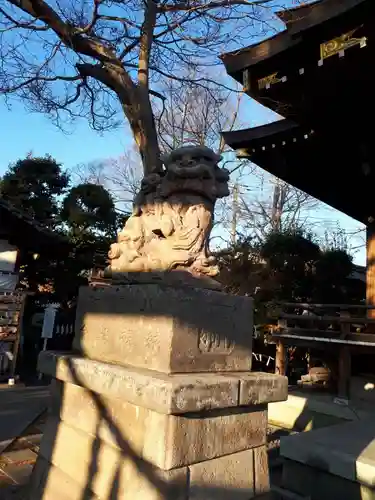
x: 344, y: 327
x: 370, y: 268
x: 280, y: 360
x: 281, y: 351
x: 344, y: 372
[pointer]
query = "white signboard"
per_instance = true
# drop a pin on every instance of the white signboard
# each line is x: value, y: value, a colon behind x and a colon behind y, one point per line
x: 49, y: 321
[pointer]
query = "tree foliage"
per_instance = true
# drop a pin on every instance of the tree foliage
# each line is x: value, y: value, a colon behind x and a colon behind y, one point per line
x: 289, y: 263
x: 289, y: 267
x: 89, y: 207
x: 84, y: 214
x: 33, y: 185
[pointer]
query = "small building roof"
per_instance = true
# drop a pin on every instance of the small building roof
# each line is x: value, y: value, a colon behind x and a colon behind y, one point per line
x: 27, y: 233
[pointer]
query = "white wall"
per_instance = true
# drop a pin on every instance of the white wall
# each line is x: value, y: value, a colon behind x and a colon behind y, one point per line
x: 8, y: 258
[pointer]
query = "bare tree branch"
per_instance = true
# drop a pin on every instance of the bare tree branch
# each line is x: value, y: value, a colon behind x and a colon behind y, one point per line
x: 107, y: 59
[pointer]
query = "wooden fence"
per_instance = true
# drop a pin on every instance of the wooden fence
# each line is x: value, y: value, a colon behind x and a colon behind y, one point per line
x: 338, y: 328
x: 63, y: 331
x: 32, y: 341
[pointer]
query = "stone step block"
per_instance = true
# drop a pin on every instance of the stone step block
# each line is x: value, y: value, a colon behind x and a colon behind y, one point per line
x: 170, y: 394
x: 108, y: 472
x: 167, y: 441
x: 96, y: 468
x: 167, y: 329
x: 51, y: 483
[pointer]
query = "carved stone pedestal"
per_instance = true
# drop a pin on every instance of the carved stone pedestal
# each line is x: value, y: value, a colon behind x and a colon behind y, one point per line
x: 157, y: 402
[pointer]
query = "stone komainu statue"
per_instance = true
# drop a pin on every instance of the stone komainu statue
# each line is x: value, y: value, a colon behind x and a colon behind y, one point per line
x: 172, y: 217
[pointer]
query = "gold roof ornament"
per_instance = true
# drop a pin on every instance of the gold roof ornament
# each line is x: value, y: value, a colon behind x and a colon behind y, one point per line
x: 341, y: 43
x: 267, y: 81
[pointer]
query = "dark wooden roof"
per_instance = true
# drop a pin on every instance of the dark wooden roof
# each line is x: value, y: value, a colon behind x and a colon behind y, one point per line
x: 26, y: 233
x: 326, y: 164
x: 329, y: 93
x: 298, y: 21
x: 304, y: 86
x: 297, y: 13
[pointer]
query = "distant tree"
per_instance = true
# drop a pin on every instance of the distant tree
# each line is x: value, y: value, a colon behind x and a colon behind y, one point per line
x: 240, y: 267
x: 89, y: 208
x: 289, y: 259
x: 289, y: 267
x: 86, y: 216
x: 33, y: 185
x: 197, y: 115
x: 332, y: 278
x: 271, y: 206
x: 91, y: 223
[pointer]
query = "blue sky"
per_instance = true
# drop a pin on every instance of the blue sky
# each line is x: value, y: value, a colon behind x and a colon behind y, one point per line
x: 22, y: 132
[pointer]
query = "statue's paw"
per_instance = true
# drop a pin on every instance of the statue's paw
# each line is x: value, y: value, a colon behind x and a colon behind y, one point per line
x: 114, y: 251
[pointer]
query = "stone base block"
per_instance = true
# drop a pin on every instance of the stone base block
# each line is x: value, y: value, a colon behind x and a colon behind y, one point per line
x: 227, y: 478
x: 73, y: 465
x: 170, y: 394
x: 170, y: 330
x: 261, y: 471
x: 134, y: 434
x: 233, y: 477
x: 108, y: 472
x: 50, y: 483
x: 166, y: 441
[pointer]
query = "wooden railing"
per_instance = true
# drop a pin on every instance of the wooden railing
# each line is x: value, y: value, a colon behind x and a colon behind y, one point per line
x: 326, y: 322
x: 342, y: 328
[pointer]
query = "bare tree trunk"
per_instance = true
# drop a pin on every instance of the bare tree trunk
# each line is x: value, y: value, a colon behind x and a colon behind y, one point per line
x: 136, y: 105
x: 276, y: 212
x: 144, y: 131
x: 234, y: 214
x: 145, y: 134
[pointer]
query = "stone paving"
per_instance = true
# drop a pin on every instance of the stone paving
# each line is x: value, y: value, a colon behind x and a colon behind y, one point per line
x: 19, y: 456
x: 17, y: 462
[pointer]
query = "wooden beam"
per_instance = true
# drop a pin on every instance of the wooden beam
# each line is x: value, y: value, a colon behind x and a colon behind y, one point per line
x: 280, y: 360
x: 344, y: 372
x: 370, y: 270
x: 330, y: 319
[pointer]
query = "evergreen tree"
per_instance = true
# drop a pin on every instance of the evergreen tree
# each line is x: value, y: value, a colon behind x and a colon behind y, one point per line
x: 34, y: 185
